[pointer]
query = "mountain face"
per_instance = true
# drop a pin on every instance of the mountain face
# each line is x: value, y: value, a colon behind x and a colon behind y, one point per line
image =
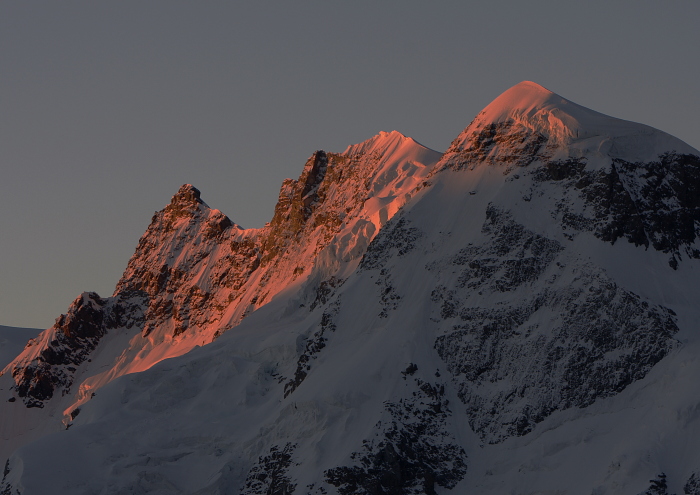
x: 516, y: 315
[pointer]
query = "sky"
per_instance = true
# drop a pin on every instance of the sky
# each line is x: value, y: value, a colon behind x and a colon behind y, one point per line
x: 106, y: 108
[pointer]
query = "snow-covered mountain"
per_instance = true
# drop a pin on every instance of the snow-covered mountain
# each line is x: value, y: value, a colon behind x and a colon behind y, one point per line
x: 516, y: 315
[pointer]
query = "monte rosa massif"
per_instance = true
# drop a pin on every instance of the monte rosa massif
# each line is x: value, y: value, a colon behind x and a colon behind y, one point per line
x: 517, y: 315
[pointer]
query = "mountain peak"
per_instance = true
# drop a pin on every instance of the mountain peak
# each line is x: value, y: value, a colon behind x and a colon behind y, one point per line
x: 543, y: 111
x: 187, y: 194
x: 563, y: 123
x: 523, y: 96
x: 383, y: 142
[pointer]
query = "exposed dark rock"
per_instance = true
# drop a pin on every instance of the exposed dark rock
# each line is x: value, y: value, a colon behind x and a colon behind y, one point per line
x: 325, y: 291
x: 388, y: 297
x: 410, y: 370
x: 513, y: 144
x: 657, y: 486
x: 314, y: 345
x: 598, y: 338
x: 296, y: 203
x: 6, y: 488
x: 692, y: 486
x: 269, y: 476
x: 396, y: 238
x: 75, y: 335
x: 217, y: 225
x: 413, y: 453
x: 655, y: 204
x: 187, y: 194
x: 184, y: 204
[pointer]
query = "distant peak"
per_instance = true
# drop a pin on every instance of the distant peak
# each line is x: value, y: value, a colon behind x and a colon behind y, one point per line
x: 383, y: 142
x: 565, y: 124
x: 391, y: 135
x: 533, y: 105
x: 544, y: 112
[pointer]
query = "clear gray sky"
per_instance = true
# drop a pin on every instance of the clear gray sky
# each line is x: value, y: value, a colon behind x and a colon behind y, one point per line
x: 106, y: 108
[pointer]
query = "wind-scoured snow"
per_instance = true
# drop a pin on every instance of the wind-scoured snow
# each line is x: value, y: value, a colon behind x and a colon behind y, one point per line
x: 517, y: 315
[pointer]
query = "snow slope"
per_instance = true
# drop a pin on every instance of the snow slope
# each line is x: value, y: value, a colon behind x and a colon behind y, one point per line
x: 12, y: 340
x: 517, y: 317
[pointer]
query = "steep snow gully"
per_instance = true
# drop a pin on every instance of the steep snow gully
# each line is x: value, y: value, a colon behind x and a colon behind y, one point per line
x: 516, y: 315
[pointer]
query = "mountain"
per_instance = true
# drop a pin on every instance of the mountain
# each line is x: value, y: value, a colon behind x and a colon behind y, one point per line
x: 516, y: 315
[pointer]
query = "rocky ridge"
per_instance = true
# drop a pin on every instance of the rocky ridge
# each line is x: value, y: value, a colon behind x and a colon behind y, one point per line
x: 48, y: 363
x: 200, y: 274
